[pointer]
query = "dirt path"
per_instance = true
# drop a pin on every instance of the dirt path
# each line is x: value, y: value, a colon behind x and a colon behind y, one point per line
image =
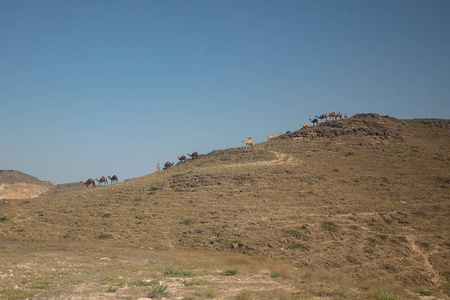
x: 434, y: 275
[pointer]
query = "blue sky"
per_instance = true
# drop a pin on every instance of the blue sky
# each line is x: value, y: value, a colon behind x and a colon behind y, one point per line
x: 93, y: 88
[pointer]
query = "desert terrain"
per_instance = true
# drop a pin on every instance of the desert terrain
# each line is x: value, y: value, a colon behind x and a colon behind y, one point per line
x: 355, y: 208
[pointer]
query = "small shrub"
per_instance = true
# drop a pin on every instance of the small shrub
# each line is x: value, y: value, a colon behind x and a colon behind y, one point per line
x: 111, y: 289
x: 244, y: 295
x: 158, y: 292
x: 229, y: 272
x: 3, y: 219
x: 424, y: 293
x: 275, y: 275
x: 381, y: 294
x: 188, y: 222
x: 105, y: 236
x: 170, y: 271
x: 142, y: 282
x: 330, y: 226
x: 196, y: 282
x: 210, y: 294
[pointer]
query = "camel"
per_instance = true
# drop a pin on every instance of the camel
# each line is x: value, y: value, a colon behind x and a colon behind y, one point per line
x: 167, y: 165
x: 113, y: 179
x: 338, y: 115
x: 182, y: 158
x: 304, y: 125
x: 89, y: 182
x: 280, y: 134
x: 158, y: 166
x: 270, y: 137
x: 322, y: 116
x: 332, y: 115
x: 346, y: 115
x: 102, y: 180
x: 194, y: 155
x: 314, y: 121
x: 248, y: 142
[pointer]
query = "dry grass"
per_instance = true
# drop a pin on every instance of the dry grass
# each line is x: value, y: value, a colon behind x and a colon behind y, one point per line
x: 337, y: 211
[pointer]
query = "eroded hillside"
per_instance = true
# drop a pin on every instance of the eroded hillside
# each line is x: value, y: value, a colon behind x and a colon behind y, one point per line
x: 366, y: 197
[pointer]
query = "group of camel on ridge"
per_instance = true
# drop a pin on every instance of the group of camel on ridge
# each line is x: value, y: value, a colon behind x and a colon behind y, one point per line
x: 325, y: 116
x: 103, y: 180
x: 181, y: 158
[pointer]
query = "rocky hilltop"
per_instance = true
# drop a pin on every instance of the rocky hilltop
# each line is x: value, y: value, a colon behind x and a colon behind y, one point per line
x: 17, y: 185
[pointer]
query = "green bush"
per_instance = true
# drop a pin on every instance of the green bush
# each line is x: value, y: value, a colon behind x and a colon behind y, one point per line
x: 158, y: 292
x: 229, y: 272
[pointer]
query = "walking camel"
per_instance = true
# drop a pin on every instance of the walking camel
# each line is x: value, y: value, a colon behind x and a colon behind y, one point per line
x: 89, y: 182
x: 182, y: 158
x: 113, y: 179
x: 194, y: 155
x: 167, y: 165
x: 315, y: 121
x: 102, y: 180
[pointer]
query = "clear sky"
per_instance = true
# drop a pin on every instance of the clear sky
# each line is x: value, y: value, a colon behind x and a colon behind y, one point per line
x: 92, y: 88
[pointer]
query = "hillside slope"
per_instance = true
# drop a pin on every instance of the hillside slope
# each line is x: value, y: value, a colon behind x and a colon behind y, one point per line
x: 366, y: 197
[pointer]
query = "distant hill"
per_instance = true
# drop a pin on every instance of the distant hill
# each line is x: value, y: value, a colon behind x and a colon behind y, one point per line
x: 17, y: 185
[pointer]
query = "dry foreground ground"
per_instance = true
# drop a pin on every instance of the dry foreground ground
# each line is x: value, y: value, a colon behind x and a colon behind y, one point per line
x: 347, y: 209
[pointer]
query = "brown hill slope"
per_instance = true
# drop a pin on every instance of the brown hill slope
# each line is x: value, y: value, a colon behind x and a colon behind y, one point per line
x: 18, y: 185
x: 364, y: 199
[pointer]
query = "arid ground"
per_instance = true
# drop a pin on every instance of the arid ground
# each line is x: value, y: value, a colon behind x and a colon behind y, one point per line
x: 348, y: 209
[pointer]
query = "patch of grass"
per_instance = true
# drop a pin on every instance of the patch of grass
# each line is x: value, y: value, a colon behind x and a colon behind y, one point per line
x: 424, y: 293
x: 275, y: 275
x: 170, y: 271
x: 41, y: 283
x: 112, y: 289
x: 299, y: 246
x: 158, y: 292
x: 196, y: 282
x: 330, y: 227
x: 229, y: 272
x: 3, y: 219
x: 424, y: 245
x: 244, y: 295
x: 353, y: 260
x: 209, y: 294
x: 105, y: 236
x: 12, y: 293
x: 142, y: 282
x: 188, y: 222
x: 381, y: 294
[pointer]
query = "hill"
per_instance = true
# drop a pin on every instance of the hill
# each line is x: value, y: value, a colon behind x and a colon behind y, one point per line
x: 18, y: 185
x: 347, y: 209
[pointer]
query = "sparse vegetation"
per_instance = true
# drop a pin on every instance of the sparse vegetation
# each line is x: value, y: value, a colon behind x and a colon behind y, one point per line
x: 294, y: 215
x: 382, y: 294
x: 229, y: 272
x: 158, y: 291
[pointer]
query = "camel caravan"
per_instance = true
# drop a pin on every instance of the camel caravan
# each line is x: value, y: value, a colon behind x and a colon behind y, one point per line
x: 248, y: 142
x: 102, y: 181
x: 331, y: 116
x: 316, y: 120
x: 181, y: 158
